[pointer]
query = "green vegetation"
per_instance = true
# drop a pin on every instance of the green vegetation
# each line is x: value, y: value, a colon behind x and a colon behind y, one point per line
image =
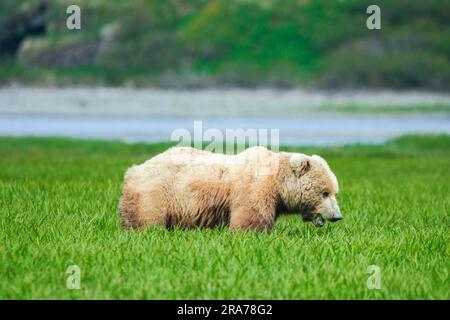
x: 58, y: 207
x: 381, y: 109
x: 228, y: 42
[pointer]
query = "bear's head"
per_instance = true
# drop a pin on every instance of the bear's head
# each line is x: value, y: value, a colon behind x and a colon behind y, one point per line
x: 309, y: 187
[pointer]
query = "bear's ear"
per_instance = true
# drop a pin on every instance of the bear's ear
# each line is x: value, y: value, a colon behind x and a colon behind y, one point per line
x: 300, y: 164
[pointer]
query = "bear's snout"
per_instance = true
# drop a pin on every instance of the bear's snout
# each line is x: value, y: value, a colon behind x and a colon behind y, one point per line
x: 336, y: 214
x: 336, y: 218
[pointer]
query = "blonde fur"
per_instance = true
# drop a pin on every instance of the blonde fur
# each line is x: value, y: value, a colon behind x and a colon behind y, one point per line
x: 193, y: 188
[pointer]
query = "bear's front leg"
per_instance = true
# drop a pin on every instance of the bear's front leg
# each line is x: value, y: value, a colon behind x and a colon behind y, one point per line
x: 250, y: 219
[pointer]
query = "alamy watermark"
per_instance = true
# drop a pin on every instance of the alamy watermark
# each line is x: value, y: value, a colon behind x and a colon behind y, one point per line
x: 73, y: 281
x: 231, y: 142
x: 374, y: 20
x: 73, y: 22
x: 374, y: 280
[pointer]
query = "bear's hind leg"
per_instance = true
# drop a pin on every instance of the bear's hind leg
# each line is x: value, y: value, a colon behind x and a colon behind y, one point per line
x: 152, y: 210
x: 129, y: 207
x: 140, y: 210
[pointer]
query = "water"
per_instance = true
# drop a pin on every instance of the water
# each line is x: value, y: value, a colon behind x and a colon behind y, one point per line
x: 318, y: 130
x: 152, y: 115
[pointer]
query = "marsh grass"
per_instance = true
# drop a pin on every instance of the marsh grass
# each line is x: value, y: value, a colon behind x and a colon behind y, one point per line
x: 440, y: 108
x: 58, y: 207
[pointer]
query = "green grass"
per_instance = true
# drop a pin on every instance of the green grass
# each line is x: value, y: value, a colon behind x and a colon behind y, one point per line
x: 58, y: 206
x: 409, y: 108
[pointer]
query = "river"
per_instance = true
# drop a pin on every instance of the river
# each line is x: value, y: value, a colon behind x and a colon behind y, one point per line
x: 153, y: 115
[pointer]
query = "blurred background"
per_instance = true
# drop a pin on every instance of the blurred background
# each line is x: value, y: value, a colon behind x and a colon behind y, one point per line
x: 139, y: 69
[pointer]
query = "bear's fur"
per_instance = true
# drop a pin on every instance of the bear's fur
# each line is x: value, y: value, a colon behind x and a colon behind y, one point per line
x: 193, y: 188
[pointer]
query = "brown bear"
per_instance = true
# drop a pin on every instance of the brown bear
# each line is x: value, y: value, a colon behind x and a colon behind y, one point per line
x: 192, y: 188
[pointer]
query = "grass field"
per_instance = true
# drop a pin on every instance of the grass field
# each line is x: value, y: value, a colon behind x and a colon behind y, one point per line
x: 58, y: 207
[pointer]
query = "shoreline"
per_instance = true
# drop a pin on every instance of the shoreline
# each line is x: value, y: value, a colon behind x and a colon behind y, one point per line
x: 129, y: 102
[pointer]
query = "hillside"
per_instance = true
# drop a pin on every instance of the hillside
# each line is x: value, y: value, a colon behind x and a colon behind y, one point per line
x: 247, y: 43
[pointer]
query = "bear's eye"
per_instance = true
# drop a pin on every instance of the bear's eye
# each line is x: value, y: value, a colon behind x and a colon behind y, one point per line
x: 325, y: 194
